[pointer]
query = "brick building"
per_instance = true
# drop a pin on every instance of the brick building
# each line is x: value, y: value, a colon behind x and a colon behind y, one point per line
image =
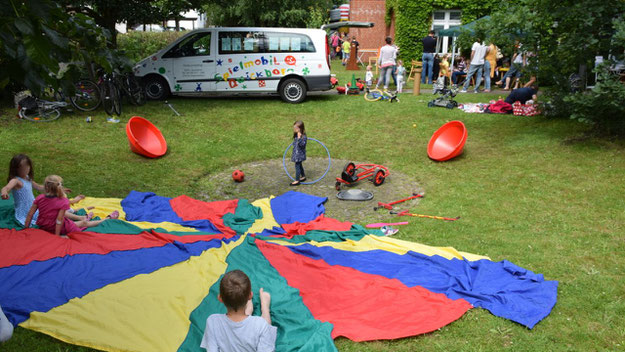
x: 375, y: 11
x: 370, y: 11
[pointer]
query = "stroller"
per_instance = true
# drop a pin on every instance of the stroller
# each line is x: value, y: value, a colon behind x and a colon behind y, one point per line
x: 446, y: 99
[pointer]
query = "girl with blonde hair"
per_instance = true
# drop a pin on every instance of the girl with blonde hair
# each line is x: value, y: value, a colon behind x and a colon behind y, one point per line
x: 52, y: 207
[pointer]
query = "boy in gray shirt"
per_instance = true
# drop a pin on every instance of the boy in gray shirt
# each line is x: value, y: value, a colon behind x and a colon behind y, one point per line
x: 238, y: 330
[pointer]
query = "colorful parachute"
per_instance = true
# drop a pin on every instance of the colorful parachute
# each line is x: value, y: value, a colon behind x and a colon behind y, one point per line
x: 148, y: 283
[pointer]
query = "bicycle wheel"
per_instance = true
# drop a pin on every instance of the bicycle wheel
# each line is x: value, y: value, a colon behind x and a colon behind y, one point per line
x: 373, y: 95
x: 135, y: 91
x: 117, y: 99
x: 107, y: 101
x: 41, y: 114
x: 87, y: 96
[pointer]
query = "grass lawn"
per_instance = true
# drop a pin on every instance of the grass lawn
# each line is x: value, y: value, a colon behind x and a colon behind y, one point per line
x: 527, y: 188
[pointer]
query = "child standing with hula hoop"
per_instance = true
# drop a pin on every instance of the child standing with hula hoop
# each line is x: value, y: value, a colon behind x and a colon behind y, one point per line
x: 299, y: 152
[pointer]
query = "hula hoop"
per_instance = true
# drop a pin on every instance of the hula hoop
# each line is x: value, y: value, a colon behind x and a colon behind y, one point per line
x: 310, y: 182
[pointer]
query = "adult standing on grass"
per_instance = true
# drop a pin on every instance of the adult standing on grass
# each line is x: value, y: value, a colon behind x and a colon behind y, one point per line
x: 429, y: 47
x: 334, y: 40
x: 490, y: 64
x: 478, y: 51
x: 386, y: 62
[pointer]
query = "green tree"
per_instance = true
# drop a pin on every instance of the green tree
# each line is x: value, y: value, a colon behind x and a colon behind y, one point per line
x: 109, y: 12
x: 41, y: 45
x: 268, y: 13
x: 566, y: 36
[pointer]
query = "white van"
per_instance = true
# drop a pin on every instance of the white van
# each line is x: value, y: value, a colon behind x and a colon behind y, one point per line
x: 222, y: 61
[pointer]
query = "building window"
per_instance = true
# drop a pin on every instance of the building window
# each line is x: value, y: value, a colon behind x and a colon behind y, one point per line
x: 443, y: 19
x: 439, y: 15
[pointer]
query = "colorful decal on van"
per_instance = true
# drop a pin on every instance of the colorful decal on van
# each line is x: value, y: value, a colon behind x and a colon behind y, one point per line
x: 262, y: 61
x: 290, y: 60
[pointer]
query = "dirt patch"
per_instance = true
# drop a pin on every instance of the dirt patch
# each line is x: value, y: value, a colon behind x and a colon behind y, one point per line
x: 267, y: 177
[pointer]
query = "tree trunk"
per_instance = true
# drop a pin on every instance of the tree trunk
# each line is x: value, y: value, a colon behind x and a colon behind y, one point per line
x: 107, y: 20
x: 113, y: 31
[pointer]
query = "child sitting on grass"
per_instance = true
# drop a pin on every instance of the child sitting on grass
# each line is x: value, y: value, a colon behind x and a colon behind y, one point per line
x: 238, y: 330
x: 20, y: 183
x: 52, y: 207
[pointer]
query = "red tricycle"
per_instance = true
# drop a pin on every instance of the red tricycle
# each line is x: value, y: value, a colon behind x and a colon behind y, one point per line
x: 351, y: 174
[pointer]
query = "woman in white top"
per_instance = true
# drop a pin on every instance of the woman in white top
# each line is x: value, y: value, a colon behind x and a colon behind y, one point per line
x: 386, y: 62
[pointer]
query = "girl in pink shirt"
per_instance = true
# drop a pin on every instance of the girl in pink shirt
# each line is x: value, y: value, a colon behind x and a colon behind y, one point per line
x: 52, y: 206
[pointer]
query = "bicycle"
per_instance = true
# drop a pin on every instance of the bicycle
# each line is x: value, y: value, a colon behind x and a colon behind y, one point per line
x: 128, y: 84
x: 39, y: 110
x: 111, y: 100
x: 376, y: 94
x: 87, y: 95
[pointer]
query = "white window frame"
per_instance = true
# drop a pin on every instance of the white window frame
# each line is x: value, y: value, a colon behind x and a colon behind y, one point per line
x: 442, y: 45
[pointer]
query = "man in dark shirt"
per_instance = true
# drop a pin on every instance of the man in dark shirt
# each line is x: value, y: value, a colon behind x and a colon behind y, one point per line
x: 522, y: 95
x: 355, y: 42
x: 429, y: 47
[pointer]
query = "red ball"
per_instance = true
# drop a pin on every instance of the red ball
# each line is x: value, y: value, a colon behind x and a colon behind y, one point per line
x: 238, y: 176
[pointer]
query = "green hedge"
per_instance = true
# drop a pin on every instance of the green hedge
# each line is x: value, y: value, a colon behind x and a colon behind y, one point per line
x: 413, y: 19
x: 139, y: 45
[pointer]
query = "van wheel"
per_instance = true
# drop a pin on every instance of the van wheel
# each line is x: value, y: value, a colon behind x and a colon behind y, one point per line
x: 293, y: 91
x: 156, y: 88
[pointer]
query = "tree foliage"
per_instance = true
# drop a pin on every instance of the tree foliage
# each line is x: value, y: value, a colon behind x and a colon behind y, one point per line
x: 41, y: 45
x: 109, y: 12
x: 413, y: 19
x: 269, y: 13
x: 566, y: 36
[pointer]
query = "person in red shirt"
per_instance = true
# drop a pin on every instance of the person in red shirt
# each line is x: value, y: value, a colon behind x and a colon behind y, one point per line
x: 52, y: 206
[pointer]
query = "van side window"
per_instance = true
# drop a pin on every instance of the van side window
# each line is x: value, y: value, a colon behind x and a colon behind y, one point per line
x: 198, y: 44
x: 264, y: 42
x: 288, y: 42
x: 239, y: 42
